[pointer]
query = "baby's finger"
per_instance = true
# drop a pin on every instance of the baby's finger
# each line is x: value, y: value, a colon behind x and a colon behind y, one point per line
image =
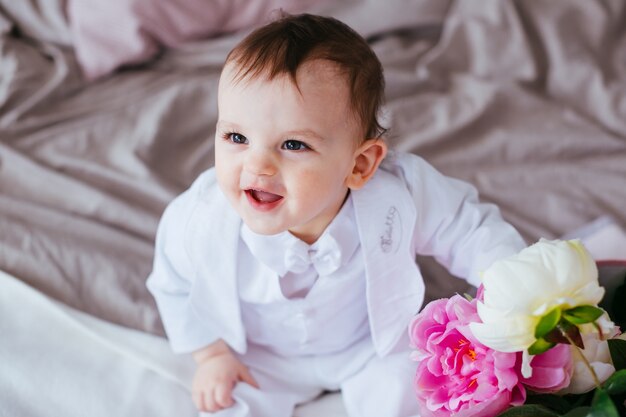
x: 223, y: 395
x: 198, y: 400
x: 209, y: 401
x: 246, y: 376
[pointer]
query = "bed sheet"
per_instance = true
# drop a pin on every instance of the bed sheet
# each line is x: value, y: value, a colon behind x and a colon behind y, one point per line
x: 59, y: 361
x: 525, y: 99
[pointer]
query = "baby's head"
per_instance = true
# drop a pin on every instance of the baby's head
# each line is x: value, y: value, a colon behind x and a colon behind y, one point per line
x: 282, y: 47
x: 298, y: 102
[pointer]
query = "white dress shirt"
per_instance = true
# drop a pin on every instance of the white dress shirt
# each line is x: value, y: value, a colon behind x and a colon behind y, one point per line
x: 299, y: 299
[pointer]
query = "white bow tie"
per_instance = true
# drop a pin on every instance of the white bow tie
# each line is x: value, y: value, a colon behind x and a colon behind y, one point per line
x: 325, y: 257
x: 286, y: 253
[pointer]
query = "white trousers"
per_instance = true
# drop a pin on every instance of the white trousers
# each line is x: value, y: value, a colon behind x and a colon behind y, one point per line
x: 370, y: 386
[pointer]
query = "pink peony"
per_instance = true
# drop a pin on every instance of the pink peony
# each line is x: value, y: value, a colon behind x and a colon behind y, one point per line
x: 457, y: 375
x: 552, y: 370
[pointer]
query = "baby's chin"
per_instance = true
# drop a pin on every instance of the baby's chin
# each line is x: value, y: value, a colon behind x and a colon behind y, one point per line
x: 264, y: 229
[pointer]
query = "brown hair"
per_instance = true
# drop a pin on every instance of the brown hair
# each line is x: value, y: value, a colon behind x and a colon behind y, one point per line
x: 282, y: 46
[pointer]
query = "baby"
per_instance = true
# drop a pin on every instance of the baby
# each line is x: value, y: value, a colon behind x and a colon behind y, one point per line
x: 289, y: 268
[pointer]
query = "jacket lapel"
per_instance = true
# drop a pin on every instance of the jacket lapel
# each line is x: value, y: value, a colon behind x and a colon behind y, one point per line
x: 213, y: 246
x: 386, y: 215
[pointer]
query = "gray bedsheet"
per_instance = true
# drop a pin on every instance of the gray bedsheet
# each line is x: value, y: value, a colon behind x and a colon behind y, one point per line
x: 525, y: 99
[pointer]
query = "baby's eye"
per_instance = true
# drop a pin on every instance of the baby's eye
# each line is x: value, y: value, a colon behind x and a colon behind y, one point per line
x: 295, y: 145
x: 237, y: 138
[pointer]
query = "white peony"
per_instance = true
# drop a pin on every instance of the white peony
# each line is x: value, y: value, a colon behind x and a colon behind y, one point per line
x: 519, y: 290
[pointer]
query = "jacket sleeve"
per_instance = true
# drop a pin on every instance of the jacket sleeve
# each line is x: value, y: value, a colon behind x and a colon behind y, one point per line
x: 172, y: 279
x: 461, y: 233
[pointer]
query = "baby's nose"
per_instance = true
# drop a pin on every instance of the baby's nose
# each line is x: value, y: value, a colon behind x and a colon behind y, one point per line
x: 260, y: 162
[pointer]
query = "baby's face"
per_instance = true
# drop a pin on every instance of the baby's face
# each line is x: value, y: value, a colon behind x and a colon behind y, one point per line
x: 283, y: 155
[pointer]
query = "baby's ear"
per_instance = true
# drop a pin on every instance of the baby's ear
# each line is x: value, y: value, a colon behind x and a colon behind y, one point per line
x: 367, y: 158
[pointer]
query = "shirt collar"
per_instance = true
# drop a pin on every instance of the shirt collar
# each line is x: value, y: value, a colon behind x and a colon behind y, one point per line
x: 284, y: 252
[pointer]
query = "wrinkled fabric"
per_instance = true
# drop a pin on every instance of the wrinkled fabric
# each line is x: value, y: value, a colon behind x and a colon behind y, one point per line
x: 523, y: 99
x: 87, y: 168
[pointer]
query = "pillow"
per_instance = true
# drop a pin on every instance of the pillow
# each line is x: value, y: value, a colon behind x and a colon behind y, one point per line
x: 111, y: 33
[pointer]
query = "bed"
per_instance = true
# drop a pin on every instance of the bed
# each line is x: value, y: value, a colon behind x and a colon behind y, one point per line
x: 107, y: 111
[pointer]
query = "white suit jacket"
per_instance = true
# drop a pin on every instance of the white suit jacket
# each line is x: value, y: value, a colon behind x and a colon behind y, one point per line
x: 406, y: 208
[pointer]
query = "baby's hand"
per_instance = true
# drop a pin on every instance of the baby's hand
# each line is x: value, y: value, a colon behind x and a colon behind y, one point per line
x: 218, y: 372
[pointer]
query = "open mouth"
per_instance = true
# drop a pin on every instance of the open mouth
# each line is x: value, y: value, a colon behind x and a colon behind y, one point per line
x: 263, y: 200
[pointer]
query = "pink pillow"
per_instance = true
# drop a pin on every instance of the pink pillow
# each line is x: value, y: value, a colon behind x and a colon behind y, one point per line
x: 111, y: 33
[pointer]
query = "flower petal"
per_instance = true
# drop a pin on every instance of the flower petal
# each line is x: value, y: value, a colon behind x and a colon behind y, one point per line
x: 520, y: 289
x: 505, y: 334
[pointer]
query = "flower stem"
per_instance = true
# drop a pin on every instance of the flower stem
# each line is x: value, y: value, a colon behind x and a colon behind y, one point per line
x: 584, y: 359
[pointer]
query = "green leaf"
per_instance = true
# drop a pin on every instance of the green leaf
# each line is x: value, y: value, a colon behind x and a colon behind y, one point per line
x: 583, y: 314
x: 564, y: 332
x: 578, y: 412
x: 547, y: 323
x: 554, y: 402
x: 617, y: 347
x: 530, y: 410
x: 540, y: 346
x: 616, y: 384
x: 579, y: 400
x: 602, y: 405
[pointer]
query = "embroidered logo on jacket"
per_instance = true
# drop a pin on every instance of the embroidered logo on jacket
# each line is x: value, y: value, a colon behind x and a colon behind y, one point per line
x: 389, y: 239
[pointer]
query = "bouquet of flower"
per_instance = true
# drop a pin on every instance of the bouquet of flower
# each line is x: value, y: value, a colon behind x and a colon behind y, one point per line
x: 534, y: 342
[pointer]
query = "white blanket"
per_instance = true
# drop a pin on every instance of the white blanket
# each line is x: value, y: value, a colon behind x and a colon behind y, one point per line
x: 57, y: 361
